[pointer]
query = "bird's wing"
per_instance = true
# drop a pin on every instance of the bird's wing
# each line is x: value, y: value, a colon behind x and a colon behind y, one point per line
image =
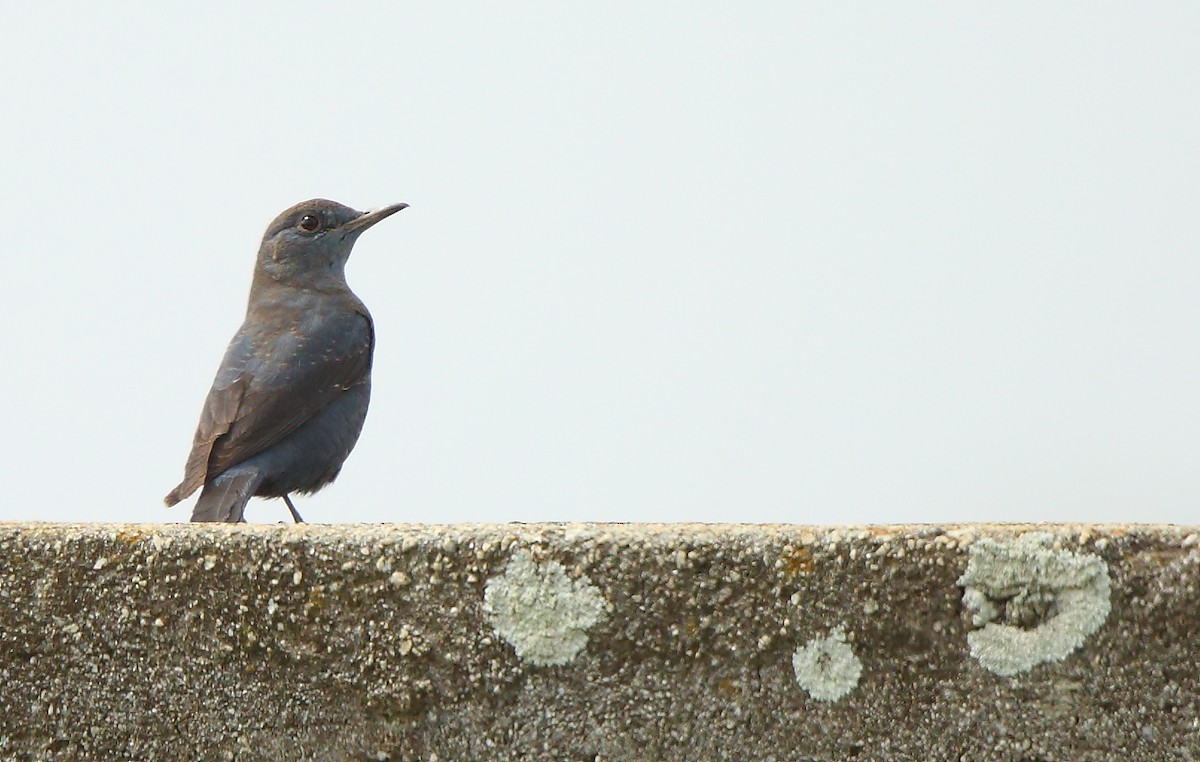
x: 267, y: 388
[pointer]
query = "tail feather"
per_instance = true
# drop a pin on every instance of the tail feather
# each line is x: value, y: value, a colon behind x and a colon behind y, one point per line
x: 225, y: 498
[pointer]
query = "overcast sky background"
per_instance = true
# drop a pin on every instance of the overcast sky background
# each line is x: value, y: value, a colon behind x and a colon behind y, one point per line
x: 802, y: 262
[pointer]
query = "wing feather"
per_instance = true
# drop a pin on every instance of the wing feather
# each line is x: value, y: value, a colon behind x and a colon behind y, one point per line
x: 270, y: 383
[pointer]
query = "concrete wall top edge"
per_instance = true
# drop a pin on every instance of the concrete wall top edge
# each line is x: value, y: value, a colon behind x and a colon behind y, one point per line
x: 588, y: 641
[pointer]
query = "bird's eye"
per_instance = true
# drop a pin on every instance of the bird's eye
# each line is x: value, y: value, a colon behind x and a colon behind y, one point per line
x: 309, y: 223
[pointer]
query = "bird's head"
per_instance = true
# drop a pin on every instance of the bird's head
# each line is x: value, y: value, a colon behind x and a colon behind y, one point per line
x: 310, y: 243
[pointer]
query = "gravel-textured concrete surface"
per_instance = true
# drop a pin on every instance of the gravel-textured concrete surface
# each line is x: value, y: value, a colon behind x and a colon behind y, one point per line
x: 599, y: 642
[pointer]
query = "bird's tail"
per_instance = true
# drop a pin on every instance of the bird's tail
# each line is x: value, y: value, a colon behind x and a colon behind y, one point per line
x: 225, y: 498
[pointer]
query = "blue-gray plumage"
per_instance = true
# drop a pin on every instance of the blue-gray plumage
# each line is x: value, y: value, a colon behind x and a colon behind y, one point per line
x: 291, y: 395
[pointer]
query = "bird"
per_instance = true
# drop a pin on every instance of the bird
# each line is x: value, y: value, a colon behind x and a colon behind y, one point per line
x: 291, y: 394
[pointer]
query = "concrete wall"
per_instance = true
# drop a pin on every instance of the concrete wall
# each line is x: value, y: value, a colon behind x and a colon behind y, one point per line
x: 599, y: 642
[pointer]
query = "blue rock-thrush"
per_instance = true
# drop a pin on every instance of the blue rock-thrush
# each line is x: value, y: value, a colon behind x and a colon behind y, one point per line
x: 291, y: 395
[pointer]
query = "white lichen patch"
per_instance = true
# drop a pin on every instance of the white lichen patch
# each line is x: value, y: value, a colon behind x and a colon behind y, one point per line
x: 827, y: 667
x: 540, y: 611
x: 1033, y: 604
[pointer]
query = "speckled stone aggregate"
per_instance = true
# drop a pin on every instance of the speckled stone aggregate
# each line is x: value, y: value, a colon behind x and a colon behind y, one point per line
x: 676, y: 642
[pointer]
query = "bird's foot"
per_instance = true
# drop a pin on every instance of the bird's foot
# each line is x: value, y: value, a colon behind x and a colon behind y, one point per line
x: 295, y: 514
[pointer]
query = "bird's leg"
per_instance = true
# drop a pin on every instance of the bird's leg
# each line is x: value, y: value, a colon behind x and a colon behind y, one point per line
x: 292, y: 508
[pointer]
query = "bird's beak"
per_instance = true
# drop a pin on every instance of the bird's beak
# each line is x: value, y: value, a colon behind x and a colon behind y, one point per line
x: 367, y: 219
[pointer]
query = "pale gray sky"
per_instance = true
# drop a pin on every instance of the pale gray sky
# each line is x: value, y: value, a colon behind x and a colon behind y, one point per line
x: 804, y: 262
